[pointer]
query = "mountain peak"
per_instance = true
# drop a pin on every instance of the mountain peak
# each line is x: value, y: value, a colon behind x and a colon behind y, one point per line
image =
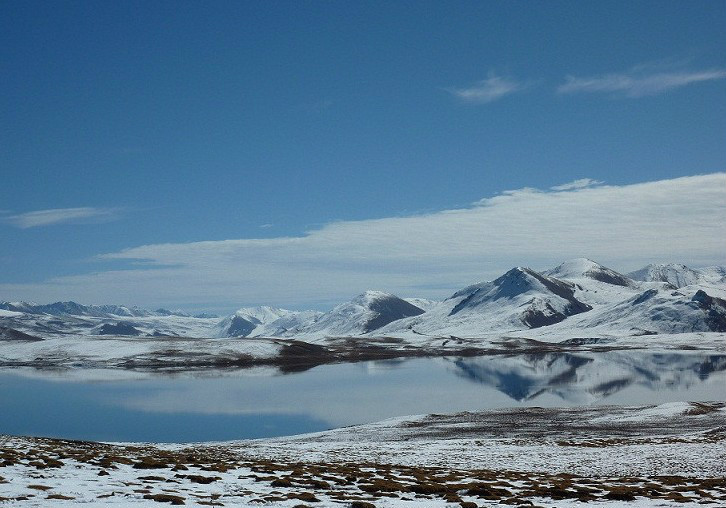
x: 544, y: 300
x: 366, y: 298
x: 676, y: 274
x: 519, y: 280
x: 579, y: 268
x: 245, y: 320
x: 261, y: 313
x: 365, y: 313
x: 575, y: 266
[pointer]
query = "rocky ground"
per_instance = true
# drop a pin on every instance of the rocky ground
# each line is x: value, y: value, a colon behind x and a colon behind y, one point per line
x: 668, y: 455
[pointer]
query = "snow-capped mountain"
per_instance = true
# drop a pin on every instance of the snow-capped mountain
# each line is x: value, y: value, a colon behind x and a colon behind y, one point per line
x: 656, y: 311
x: 578, y: 298
x: 363, y: 314
x: 71, y: 318
x: 423, y: 303
x: 679, y: 276
x: 521, y: 298
x: 575, y: 296
x: 249, y: 319
x: 540, y: 300
x: 76, y: 309
x: 289, y: 325
x: 583, y: 268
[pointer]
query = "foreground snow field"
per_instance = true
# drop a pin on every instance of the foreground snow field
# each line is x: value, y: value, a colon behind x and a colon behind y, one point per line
x: 668, y: 455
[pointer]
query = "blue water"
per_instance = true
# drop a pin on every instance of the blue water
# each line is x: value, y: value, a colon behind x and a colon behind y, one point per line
x: 264, y: 403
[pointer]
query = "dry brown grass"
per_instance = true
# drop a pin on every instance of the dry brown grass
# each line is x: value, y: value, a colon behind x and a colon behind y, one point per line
x: 351, y: 483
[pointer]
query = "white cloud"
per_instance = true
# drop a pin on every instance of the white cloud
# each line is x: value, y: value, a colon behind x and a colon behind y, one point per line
x: 59, y: 216
x: 488, y: 90
x: 639, y: 81
x: 577, y: 184
x: 625, y: 227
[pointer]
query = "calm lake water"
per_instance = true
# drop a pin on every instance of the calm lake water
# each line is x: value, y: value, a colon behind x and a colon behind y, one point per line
x: 263, y: 403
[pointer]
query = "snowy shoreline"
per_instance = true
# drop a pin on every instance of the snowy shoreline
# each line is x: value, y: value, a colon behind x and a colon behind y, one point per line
x: 179, y: 354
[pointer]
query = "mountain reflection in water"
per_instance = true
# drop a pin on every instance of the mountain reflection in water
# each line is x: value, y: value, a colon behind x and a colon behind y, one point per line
x: 234, y: 404
x: 583, y: 377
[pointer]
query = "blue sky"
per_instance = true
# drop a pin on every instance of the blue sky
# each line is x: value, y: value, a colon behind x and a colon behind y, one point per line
x: 130, y: 125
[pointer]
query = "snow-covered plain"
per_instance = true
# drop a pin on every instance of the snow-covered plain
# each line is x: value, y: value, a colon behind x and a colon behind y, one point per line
x: 669, y: 455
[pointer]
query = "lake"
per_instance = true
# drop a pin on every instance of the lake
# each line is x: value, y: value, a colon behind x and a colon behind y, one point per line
x: 209, y: 406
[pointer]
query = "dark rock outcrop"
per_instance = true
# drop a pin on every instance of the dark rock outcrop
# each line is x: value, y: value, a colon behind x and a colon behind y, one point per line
x: 120, y: 328
x: 389, y: 309
x: 715, y: 309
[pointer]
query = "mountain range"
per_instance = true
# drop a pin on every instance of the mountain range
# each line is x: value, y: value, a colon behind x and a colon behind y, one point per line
x: 577, y: 295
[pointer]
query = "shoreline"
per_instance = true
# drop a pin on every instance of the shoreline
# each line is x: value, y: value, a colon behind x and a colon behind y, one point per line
x: 672, y: 454
x: 175, y: 354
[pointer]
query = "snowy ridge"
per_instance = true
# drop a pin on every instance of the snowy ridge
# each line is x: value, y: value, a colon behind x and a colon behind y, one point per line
x: 575, y: 299
x: 519, y: 299
x: 70, y: 308
x: 423, y: 303
x: 576, y: 296
x: 247, y: 319
x: 365, y: 313
x: 583, y: 268
x: 679, y: 276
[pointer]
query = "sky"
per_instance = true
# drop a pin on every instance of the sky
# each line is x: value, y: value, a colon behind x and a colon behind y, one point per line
x: 210, y: 155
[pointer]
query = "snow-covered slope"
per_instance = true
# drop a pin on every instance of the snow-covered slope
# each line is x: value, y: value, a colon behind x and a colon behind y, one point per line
x: 71, y: 318
x: 521, y: 296
x: 423, y: 303
x: 288, y: 325
x: 266, y: 322
x: 652, y: 311
x: 577, y: 296
x: 519, y: 299
x: 76, y: 309
x: 243, y: 322
x: 158, y: 326
x: 363, y: 314
x: 583, y: 268
x: 679, y: 276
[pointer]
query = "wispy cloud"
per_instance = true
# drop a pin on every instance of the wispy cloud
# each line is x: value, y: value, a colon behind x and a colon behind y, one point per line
x: 427, y: 255
x: 60, y: 216
x: 639, y: 81
x: 577, y: 184
x: 488, y: 90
